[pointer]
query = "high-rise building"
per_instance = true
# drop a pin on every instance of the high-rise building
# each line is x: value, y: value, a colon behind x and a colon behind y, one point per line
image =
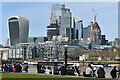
x: 92, y: 32
x: 96, y: 33
x: 18, y: 29
x: 78, y: 28
x: 64, y: 19
x: 52, y: 30
x: 85, y: 33
x: 103, y: 40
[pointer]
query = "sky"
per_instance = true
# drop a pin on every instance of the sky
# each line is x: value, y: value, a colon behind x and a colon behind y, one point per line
x: 39, y: 16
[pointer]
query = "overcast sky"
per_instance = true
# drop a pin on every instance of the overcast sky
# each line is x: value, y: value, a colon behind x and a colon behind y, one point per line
x: 39, y: 16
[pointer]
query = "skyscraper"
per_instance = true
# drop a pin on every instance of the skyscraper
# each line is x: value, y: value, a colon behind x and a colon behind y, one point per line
x: 18, y: 29
x: 96, y: 34
x: 92, y: 32
x: 64, y: 19
x: 78, y: 28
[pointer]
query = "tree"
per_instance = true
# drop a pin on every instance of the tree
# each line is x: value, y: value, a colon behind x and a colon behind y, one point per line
x: 77, y: 52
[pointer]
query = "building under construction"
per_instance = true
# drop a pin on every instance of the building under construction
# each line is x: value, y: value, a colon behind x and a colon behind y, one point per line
x: 63, y: 16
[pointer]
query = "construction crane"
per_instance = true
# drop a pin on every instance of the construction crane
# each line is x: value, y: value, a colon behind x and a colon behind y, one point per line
x: 51, y: 22
x: 94, y: 28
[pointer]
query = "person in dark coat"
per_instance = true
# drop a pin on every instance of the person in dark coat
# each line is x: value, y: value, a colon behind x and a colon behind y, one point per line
x: 63, y: 70
x: 40, y: 69
x: 72, y: 71
x: 113, y: 73
x: 55, y: 70
x: 101, y: 73
x: 68, y: 70
x: 18, y: 68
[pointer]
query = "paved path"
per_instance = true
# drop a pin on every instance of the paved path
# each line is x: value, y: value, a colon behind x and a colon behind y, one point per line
x: 34, y: 71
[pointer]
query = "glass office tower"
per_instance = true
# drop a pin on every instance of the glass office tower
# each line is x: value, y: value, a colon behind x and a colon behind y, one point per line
x: 64, y: 19
x: 18, y: 29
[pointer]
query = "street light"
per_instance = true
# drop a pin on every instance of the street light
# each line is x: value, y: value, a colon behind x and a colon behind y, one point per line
x: 65, y: 47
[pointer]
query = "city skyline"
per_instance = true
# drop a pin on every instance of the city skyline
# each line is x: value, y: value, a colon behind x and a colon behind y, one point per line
x: 41, y: 21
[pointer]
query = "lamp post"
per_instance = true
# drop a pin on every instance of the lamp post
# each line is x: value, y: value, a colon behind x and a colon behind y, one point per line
x: 65, y: 47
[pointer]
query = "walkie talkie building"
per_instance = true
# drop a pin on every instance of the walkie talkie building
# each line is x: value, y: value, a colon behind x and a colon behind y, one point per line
x: 18, y: 29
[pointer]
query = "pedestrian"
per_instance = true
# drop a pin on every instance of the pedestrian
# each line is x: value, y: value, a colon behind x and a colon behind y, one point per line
x: 25, y: 69
x: 119, y: 73
x: 101, y: 73
x: 5, y: 68
x: 63, y: 70
x: 48, y: 70
x: 55, y: 70
x: 68, y: 70
x: 18, y: 68
x: 72, y: 71
x: 44, y: 70
x: 40, y: 69
x: 14, y: 68
x: 10, y: 69
x: 113, y: 73
x: 77, y: 71
x: 89, y: 71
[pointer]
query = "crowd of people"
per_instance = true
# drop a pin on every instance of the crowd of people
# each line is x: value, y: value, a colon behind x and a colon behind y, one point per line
x: 14, y: 68
x: 87, y: 71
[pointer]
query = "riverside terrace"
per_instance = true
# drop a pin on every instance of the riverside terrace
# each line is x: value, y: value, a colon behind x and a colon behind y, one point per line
x: 15, y: 72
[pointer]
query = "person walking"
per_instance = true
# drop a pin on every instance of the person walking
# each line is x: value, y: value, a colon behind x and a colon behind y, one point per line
x: 113, y: 73
x: 89, y: 71
x: 101, y: 73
